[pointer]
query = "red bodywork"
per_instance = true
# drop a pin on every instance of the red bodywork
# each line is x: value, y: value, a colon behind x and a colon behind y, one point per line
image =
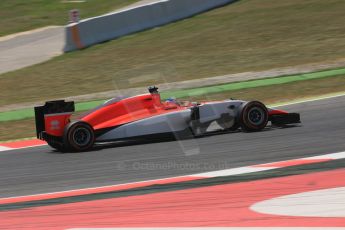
x: 276, y: 112
x: 118, y: 113
x: 55, y: 123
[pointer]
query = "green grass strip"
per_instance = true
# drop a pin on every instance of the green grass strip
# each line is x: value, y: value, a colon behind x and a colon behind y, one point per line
x: 82, y: 106
x: 29, y: 112
x: 252, y: 84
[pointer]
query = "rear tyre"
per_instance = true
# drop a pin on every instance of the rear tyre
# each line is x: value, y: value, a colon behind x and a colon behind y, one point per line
x: 253, y: 116
x: 78, y: 136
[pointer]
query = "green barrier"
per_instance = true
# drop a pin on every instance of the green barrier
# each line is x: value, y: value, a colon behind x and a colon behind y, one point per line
x: 82, y: 106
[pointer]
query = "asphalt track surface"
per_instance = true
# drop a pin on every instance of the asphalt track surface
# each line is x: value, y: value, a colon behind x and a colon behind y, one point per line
x: 41, y: 170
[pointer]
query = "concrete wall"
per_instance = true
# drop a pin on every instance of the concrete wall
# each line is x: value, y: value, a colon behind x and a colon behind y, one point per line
x: 95, y: 30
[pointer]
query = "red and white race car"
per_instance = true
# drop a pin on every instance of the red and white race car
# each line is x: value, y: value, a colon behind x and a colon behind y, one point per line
x: 147, y: 117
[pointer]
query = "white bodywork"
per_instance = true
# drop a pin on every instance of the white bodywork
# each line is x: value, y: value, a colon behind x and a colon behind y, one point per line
x: 175, y: 121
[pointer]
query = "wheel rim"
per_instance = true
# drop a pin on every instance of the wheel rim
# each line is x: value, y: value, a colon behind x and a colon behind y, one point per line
x: 256, y: 116
x: 81, y: 136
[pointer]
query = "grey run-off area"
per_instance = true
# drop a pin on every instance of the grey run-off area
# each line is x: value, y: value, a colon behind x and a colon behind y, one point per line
x: 26, y: 49
x: 32, y: 47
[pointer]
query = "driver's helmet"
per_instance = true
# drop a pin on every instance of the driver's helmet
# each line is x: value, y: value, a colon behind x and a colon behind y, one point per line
x: 171, y: 100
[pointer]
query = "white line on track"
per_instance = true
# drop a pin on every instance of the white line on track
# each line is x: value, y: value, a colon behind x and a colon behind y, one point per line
x: 233, y: 171
x: 3, y: 148
x: 311, y: 99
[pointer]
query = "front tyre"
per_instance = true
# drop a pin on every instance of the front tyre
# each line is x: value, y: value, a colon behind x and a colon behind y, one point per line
x: 79, y: 136
x: 253, y: 116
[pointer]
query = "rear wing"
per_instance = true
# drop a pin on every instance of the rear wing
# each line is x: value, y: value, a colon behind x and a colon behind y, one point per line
x: 50, y: 107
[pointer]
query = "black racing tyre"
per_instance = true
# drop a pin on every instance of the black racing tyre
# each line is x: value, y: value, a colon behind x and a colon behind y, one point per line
x: 78, y: 136
x: 253, y: 116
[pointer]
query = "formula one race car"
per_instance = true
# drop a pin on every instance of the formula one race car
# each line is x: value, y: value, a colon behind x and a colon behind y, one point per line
x: 146, y: 116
